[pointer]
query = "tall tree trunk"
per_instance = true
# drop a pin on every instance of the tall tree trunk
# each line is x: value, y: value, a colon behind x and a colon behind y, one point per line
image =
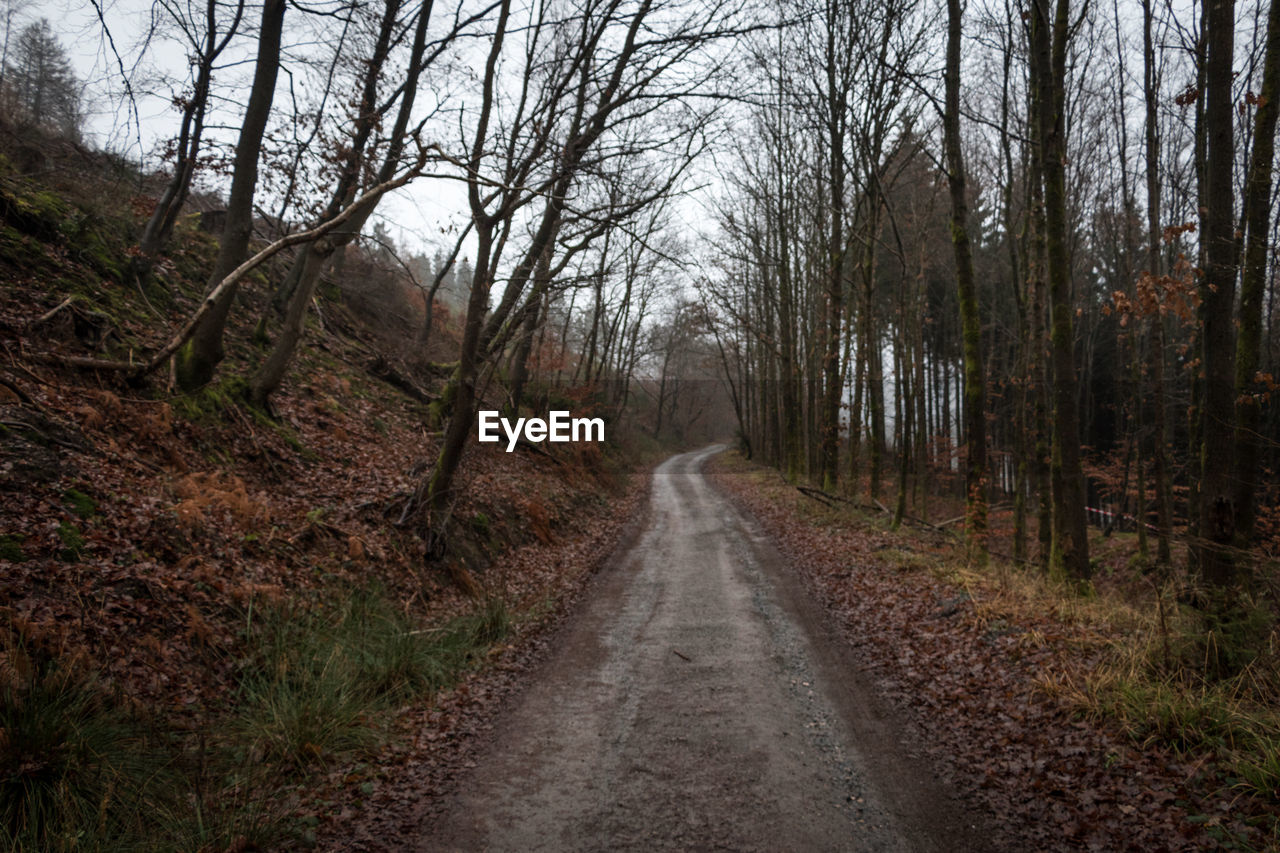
x: 967, y: 293
x: 1022, y: 423
x: 1217, y: 295
x: 833, y: 308
x: 1195, y: 410
x: 1154, y: 322
x: 791, y: 424
x: 1037, y: 369
x: 871, y: 344
x: 199, y: 358
x: 1130, y: 342
x: 855, y: 410
x: 1257, y: 205
x: 1049, y: 56
x: 316, y: 256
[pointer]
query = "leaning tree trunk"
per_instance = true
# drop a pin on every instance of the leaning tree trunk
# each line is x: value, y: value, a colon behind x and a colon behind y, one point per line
x: 316, y: 256
x: 199, y: 358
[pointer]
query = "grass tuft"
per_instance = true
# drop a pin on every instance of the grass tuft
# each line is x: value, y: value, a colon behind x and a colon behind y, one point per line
x: 323, y: 678
x: 73, y: 765
x: 317, y: 684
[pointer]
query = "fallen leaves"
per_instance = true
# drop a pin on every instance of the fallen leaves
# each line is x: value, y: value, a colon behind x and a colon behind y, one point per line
x: 970, y: 682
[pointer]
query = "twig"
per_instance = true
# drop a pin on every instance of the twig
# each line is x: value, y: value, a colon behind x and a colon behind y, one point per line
x: 22, y: 395
x: 49, y: 315
x: 819, y: 495
x: 682, y: 657
x: 44, y: 436
x: 23, y: 369
x: 87, y: 362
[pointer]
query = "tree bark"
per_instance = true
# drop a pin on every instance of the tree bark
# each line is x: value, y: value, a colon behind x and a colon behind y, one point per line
x: 1217, y: 295
x: 1048, y: 54
x: 1155, y: 322
x: 199, y: 359
x: 967, y: 293
x: 1257, y: 205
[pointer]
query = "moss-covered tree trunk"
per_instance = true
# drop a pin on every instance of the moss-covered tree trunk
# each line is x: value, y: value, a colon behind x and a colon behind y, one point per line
x: 1037, y: 382
x: 1049, y: 36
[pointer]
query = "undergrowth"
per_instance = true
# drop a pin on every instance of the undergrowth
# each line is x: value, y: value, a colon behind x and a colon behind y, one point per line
x: 323, y: 679
x: 1190, y: 680
x: 1169, y: 674
x: 81, y: 768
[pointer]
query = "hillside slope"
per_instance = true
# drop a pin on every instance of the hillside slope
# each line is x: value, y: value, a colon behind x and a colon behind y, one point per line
x: 199, y: 577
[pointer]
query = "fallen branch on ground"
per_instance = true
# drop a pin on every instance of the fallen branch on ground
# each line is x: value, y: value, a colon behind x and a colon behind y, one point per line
x: 49, y: 315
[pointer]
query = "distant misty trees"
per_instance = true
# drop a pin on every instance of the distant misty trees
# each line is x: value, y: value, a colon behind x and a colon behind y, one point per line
x: 37, y: 85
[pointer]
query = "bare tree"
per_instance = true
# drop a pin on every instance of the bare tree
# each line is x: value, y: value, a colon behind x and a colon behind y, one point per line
x: 199, y: 358
x: 206, y: 46
x: 605, y: 68
x: 975, y: 409
x: 1050, y: 32
x: 1257, y: 209
x: 1217, y: 296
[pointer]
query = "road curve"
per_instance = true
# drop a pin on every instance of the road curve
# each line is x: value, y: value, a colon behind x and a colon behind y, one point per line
x: 696, y: 702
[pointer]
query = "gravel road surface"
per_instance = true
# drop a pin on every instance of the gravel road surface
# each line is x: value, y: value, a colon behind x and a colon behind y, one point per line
x: 698, y: 701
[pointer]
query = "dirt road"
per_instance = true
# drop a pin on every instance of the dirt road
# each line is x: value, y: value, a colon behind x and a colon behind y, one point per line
x: 697, y: 702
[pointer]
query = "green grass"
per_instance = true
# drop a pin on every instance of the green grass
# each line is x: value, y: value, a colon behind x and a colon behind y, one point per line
x: 323, y: 678
x: 1198, y: 684
x: 81, y: 504
x: 77, y: 772
x: 73, y: 543
x: 317, y: 686
x: 11, y: 547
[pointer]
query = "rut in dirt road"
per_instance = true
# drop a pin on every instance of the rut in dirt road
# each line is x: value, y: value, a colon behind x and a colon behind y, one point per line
x: 695, y: 702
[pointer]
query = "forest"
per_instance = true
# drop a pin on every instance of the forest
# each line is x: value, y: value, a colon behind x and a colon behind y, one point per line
x: 1003, y: 272
x: 1025, y: 258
